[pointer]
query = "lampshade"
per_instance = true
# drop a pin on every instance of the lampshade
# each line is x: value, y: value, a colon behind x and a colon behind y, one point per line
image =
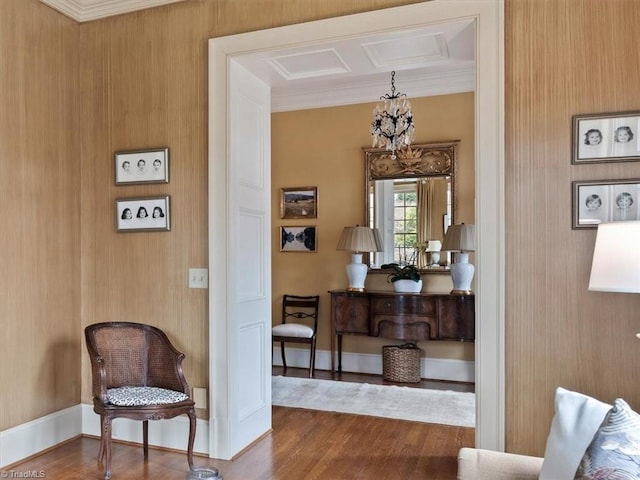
x: 616, y: 258
x: 460, y: 238
x: 433, y: 246
x: 359, y: 239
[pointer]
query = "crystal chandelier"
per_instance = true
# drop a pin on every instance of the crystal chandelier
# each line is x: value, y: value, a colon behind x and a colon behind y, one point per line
x: 392, y: 126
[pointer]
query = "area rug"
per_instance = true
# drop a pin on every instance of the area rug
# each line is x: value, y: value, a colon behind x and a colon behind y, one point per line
x: 391, y: 401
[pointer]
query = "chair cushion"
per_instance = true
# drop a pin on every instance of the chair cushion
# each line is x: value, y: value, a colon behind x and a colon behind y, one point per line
x: 139, y: 396
x: 614, y: 452
x: 292, y: 330
x: 577, y: 418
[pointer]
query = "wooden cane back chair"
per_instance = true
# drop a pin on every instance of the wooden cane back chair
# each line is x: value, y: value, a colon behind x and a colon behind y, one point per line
x: 137, y: 374
x: 299, y: 325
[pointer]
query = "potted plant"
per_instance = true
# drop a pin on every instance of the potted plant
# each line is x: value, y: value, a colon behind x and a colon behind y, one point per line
x: 405, y: 278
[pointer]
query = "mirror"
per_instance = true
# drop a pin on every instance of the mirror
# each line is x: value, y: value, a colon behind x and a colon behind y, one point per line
x: 411, y: 201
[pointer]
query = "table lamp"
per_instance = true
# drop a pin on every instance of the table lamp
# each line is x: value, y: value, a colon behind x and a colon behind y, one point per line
x: 616, y: 258
x: 461, y: 239
x: 358, y: 240
x: 434, y: 247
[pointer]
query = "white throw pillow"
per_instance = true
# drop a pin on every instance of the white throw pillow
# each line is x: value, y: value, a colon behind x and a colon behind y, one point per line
x: 574, y: 425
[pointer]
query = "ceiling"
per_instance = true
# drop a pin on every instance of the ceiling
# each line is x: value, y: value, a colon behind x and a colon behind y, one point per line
x: 428, y: 60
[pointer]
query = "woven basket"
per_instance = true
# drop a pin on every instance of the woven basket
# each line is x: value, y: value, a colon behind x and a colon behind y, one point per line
x: 401, y: 363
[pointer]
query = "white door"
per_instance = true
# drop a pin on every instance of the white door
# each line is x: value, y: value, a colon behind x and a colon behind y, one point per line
x: 241, y: 309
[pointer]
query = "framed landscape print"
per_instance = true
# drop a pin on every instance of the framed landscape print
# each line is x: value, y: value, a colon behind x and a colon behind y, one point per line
x: 603, y: 201
x: 299, y: 202
x: 606, y: 137
x: 298, y: 239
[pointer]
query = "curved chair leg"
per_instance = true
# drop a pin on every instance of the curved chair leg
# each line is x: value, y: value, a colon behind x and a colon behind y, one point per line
x: 284, y: 360
x: 145, y: 438
x: 192, y: 436
x: 106, y: 438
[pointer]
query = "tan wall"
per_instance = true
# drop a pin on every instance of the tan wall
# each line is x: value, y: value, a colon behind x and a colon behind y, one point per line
x: 563, y: 57
x: 323, y: 148
x: 39, y: 203
x: 144, y: 84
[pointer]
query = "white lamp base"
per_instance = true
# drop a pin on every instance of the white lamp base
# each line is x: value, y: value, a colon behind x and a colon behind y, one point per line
x: 356, y: 273
x: 462, y: 275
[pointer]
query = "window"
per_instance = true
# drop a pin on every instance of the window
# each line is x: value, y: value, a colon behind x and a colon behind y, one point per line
x: 404, y: 221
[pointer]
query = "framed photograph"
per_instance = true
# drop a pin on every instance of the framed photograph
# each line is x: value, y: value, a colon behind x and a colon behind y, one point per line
x: 604, y: 201
x: 142, y: 166
x: 606, y: 137
x: 299, y: 202
x: 147, y: 214
x: 298, y: 239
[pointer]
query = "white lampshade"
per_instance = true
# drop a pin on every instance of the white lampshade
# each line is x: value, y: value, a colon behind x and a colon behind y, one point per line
x: 357, y: 240
x: 616, y: 258
x: 461, y: 238
x: 433, y: 246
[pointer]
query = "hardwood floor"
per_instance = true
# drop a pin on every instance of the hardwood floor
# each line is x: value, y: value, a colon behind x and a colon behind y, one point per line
x: 304, y: 444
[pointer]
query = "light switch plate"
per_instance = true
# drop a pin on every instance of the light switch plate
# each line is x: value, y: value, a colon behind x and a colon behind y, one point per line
x: 198, y: 278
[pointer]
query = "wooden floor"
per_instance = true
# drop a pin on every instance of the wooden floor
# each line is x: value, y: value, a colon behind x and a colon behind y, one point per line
x: 303, y: 445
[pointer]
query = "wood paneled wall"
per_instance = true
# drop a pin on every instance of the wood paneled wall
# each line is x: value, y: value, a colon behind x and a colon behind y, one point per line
x: 39, y: 212
x: 562, y: 58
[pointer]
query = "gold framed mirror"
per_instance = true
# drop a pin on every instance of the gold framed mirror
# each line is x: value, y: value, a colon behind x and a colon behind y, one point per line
x: 411, y: 200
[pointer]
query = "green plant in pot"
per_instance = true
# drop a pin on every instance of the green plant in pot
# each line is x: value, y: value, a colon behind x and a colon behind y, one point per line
x: 405, y: 278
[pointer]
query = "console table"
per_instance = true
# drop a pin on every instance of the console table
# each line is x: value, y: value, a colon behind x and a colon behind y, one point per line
x: 402, y: 316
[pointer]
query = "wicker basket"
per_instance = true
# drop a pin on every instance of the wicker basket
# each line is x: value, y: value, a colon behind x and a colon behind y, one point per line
x: 401, y: 363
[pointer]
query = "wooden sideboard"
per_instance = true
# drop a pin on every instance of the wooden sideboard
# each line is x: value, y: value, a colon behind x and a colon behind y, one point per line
x: 402, y: 316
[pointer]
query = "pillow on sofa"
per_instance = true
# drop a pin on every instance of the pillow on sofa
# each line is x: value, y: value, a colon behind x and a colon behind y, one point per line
x: 614, y: 452
x: 576, y: 420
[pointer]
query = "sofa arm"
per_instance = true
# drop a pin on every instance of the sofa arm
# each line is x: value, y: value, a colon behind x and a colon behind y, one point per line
x: 478, y: 464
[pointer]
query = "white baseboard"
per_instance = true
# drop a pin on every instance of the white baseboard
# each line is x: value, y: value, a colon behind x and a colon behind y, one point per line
x: 30, y: 438
x: 432, y: 368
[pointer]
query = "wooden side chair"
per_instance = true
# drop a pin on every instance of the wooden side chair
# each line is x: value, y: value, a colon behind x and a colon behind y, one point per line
x: 299, y: 325
x: 137, y: 374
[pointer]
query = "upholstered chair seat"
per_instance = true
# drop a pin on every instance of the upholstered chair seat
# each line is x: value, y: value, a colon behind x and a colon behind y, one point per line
x: 292, y: 330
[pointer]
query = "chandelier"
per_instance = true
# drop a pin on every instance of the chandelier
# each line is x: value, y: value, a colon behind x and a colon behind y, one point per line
x: 392, y: 126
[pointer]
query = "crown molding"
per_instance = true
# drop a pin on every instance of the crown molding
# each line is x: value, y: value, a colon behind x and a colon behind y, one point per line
x: 88, y: 10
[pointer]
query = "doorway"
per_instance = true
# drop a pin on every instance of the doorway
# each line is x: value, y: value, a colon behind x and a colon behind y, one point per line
x: 489, y: 159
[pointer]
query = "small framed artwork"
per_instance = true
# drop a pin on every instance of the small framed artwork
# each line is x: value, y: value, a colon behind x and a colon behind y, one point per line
x: 298, y: 239
x: 142, y: 166
x: 603, y: 201
x: 606, y: 137
x: 299, y: 202
x: 145, y: 214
